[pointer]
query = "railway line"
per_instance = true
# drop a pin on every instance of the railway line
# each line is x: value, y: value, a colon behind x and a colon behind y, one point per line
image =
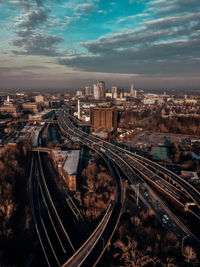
x: 135, y: 168
x: 49, y: 220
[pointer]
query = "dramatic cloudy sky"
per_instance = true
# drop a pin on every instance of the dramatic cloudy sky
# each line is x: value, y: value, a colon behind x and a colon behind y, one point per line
x: 72, y: 43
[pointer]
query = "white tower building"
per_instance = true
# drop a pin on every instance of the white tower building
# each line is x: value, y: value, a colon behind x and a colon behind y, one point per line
x: 79, y: 109
x: 96, y: 92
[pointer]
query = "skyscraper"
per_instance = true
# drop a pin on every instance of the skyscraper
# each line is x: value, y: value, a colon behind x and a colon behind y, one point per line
x: 117, y: 92
x: 88, y: 90
x: 133, y: 93
x: 101, y: 86
x: 96, y: 92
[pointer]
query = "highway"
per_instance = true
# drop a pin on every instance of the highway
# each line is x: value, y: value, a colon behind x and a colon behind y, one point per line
x: 133, y: 167
x: 136, y: 171
x: 91, y: 251
x: 189, y: 194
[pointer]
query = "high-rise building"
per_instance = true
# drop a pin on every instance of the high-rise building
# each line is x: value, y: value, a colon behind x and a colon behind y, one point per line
x: 133, y: 93
x: 39, y: 99
x: 101, y: 86
x: 79, y: 93
x: 79, y: 109
x: 104, y: 117
x: 88, y: 90
x: 117, y: 92
x: 120, y: 92
x: 96, y: 92
x: 114, y: 90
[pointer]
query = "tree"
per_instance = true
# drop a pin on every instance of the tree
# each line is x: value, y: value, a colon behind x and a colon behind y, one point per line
x: 189, y: 254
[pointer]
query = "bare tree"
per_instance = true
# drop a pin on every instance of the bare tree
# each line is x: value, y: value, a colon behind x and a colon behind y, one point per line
x: 190, y: 254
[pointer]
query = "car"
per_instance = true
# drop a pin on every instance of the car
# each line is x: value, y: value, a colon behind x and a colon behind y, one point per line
x: 166, y: 217
x: 163, y: 219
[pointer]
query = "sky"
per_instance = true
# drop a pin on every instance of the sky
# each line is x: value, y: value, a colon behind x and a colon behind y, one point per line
x: 74, y: 43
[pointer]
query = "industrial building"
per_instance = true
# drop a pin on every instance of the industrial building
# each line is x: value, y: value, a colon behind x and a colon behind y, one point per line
x: 67, y: 163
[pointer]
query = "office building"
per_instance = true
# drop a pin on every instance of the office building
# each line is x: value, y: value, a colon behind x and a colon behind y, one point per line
x: 101, y: 86
x: 39, y: 99
x: 114, y: 92
x: 30, y: 107
x: 88, y: 90
x: 117, y: 92
x: 133, y: 93
x: 9, y: 109
x: 79, y: 93
x: 96, y: 92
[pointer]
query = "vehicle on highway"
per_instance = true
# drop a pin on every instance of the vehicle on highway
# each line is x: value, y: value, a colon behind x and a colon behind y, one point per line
x: 166, y: 217
x: 163, y: 219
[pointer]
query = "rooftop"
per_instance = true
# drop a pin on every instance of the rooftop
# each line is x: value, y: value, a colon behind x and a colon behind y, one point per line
x: 70, y: 165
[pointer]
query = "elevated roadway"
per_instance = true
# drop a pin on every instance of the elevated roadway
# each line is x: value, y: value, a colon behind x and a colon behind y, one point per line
x: 181, y: 190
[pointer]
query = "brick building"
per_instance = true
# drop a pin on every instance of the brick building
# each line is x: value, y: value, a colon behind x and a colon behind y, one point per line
x: 104, y: 117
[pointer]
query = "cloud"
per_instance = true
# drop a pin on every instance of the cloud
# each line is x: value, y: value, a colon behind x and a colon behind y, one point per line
x: 102, y: 11
x: 30, y: 31
x: 85, y: 7
x: 167, y: 45
x: 162, y: 58
x: 39, y: 2
x: 37, y: 44
x: 173, y: 6
x: 142, y: 15
x: 24, y: 33
x: 152, y: 31
x: 33, y: 19
x: 26, y: 3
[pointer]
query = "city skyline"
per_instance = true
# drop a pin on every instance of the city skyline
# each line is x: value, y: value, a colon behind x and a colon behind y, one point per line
x: 69, y: 44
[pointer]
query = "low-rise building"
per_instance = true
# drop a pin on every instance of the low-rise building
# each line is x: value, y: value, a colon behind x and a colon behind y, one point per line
x: 9, y: 109
x: 67, y: 163
x: 30, y: 107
